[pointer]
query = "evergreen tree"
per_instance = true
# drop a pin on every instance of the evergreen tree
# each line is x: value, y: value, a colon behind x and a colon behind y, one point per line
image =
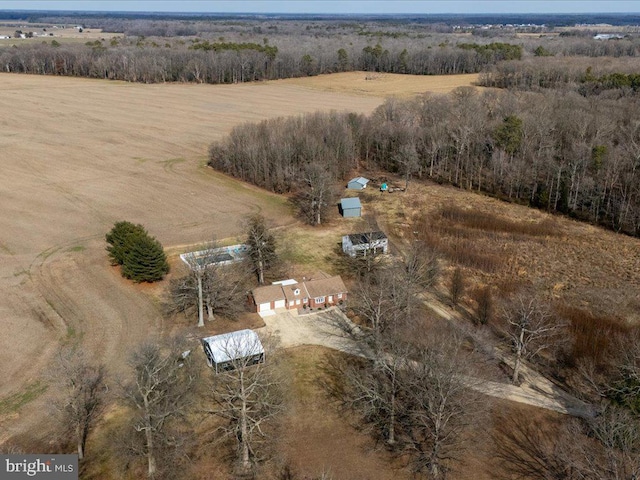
x: 145, y: 260
x: 140, y: 255
x: 117, y: 240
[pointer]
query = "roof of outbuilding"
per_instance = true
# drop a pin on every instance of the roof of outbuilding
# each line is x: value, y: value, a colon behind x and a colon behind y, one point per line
x: 234, y: 345
x: 350, y: 203
x: 360, y: 180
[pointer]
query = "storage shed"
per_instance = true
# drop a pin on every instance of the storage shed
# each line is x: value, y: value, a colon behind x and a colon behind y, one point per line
x: 351, y: 207
x: 358, y: 183
x: 235, y: 349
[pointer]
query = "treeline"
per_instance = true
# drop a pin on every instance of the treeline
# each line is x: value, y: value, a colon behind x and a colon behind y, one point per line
x: 613, y: 77
x: 274, y: 154
x: 495, y: 50
x: 145, y: 60
x: 559, y: 151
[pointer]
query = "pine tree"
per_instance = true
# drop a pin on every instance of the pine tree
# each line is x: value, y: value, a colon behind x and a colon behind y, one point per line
x: 140, y: 255
x: 117, y: 240
x: 145, y: 260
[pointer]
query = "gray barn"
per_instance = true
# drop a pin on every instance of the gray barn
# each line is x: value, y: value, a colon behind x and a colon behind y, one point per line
x: 351, y: 207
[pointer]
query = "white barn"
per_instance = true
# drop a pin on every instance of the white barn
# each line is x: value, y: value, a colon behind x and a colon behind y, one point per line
x: 229, y: 350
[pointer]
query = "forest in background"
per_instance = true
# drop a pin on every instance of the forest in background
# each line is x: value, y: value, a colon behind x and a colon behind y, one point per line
x: 231, y: 50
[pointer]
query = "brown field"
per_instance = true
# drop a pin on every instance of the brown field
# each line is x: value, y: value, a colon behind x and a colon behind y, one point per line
x: 79, y: 155
x: 384, y: 84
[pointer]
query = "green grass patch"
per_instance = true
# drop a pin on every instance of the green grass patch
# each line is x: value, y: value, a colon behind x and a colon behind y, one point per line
x: 15, y: 402
x: 305, y: 364
x: 169, y: 163
x: 306, y: 248
x: 77, y: 248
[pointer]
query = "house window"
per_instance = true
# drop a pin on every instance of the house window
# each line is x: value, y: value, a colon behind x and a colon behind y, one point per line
x: 297, y: 301
x: 330, y: 299
x: 319, y: 300
x: 339, y: 295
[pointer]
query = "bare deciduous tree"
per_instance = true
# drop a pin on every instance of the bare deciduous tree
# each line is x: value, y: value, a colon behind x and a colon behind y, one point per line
x: 530, y: 330
x: 314, y: 199
x: 374, y: 390
x: 159, y: 393
x: 441, y: 405
x: 261, y: 246
x: 420, y: 267
x: 83, y: 389
x: 248, y: 396
x: 222, y: 289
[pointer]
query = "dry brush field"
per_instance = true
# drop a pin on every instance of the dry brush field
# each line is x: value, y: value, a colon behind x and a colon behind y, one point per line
x: 78, y: 155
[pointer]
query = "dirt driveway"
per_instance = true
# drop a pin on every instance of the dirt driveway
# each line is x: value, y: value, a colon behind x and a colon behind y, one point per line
x: 320, y: 328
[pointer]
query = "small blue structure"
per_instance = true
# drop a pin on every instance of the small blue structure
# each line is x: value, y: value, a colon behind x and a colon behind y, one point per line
x: 350, y: 207
x: 384, y: 187
x: 358, y: 183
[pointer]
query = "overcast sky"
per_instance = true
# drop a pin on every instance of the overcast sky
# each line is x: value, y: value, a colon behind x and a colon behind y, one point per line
x: 333, y: 6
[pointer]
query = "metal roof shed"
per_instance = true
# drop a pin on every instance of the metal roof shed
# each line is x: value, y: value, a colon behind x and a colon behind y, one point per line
x: 351, y: 207
x: 357, y: 183
x: 234, y: 349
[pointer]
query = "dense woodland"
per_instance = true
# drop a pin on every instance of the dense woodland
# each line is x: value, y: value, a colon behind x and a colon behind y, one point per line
x: 231, y: 51
x: 559, y: 151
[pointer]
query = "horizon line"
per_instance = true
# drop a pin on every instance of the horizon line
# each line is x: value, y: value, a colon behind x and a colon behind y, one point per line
x: 314, y: 13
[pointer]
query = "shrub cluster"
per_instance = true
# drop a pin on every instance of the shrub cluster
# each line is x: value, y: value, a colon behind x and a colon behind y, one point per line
x: 140, y: 255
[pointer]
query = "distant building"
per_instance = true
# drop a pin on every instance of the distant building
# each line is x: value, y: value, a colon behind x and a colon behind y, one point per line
x: 365, y: 244
x: 227, y: 350
x: 607, y: 36
x: 358, y: 183
x: 291, y: 294
x: 351, y: 207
